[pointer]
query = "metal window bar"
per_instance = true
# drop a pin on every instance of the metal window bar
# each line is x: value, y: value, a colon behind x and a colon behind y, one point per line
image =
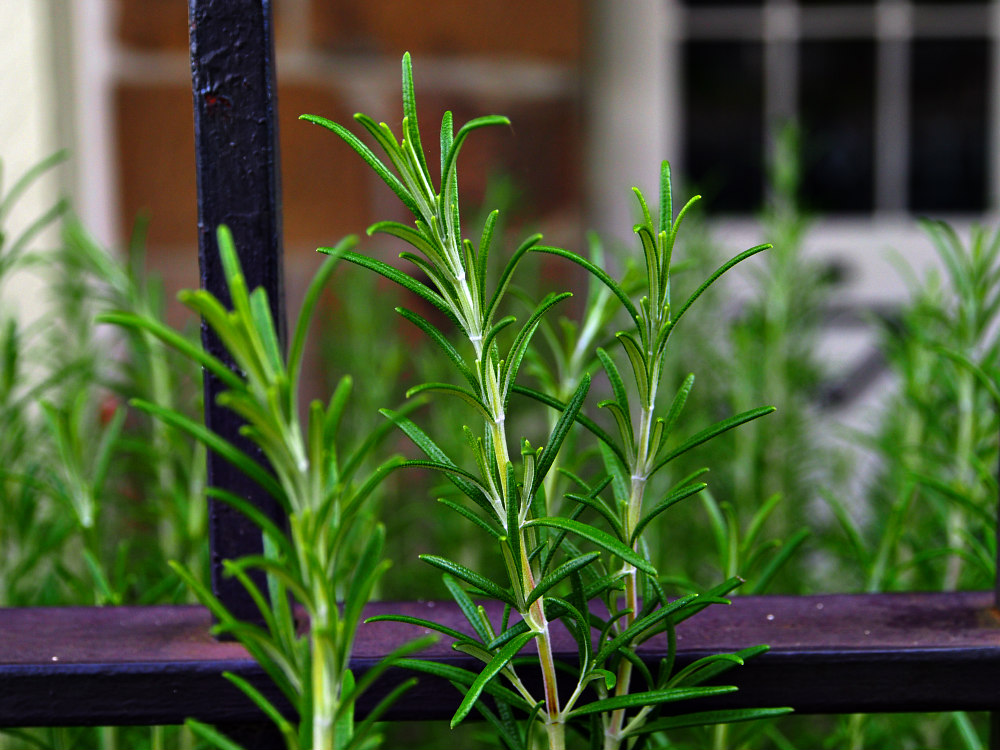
x: 159, y: 665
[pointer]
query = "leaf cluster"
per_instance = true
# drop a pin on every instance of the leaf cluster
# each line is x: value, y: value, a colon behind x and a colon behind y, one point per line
x: 330, y: 558
x: 556, y: 566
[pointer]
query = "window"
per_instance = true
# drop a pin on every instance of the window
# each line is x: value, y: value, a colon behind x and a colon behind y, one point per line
x: 892, y: 97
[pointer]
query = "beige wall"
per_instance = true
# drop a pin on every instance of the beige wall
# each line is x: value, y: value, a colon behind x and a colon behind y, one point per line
x: 28, y: 130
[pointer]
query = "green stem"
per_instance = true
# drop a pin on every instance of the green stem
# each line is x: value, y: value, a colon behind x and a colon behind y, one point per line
x: 964, y: 475
x: 325, y: 690
x: 613, y: 730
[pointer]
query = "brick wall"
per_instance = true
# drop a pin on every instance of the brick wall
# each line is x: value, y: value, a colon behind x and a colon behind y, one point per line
x: 521, y: 58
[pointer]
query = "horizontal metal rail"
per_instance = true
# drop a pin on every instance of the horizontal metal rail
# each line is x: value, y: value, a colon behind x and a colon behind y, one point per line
x: 829, y: 654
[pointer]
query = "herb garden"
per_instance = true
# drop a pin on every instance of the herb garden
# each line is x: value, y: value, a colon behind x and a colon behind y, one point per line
x: 599, y: 530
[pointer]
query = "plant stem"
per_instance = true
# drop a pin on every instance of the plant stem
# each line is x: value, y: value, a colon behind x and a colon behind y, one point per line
x: 325, y: 689
x: 612, y: 738
x: 965, y: 475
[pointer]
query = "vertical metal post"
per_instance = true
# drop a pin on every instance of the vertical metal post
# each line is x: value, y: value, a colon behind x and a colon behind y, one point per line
x: 236, y: 139
x: 239, y: 184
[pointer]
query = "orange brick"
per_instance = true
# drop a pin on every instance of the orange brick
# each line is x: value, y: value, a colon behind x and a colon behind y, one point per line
x: 550, y: 30
x: 163, y: 24
x: 540, y: 154
x: 325, y: 184
x: 156, y: 161
x: 153, y: 24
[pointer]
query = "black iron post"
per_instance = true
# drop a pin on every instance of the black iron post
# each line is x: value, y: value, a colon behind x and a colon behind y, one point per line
x: 239, y: 184
x: 236, y: 138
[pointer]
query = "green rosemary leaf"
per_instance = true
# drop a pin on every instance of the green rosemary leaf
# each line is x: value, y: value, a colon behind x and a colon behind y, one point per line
x: 585, y: 421
x: 512, y: 541
x: 25, y: 181
x: 600, y: 274
x: 106, y: 446
x: 639, y: 666
x: 279, y: 571
x: 602, y: 508
x: 439, y: 275
x: 505, y: 727
x: 410, y: 113
x: 715, y: 275
x: 712, y: 431
x: 712, y: 666
x: 368, y: 568
x: 259, y: 518
x: 624, y: 427
x: 577, y: 624
x: 469, y: 576
x: 472, y: 516
x: 650, y: 254
x: 708, y: 718
x: 373, y: 161
x: 264, y: 328
x: 484, y: 252
x: 463, y: 677
x: 507, y: 273
x: 468, y: 608
x: 446, y: 346
x: 650, y: 698
x: 176, y: 341
x: 414, y: 236
x: 489, y: 338
x: 670, y: 500
x: 453, y: 472
x: 639, y: 366
x: 390, y: 660
x: 680, y: 217
x: 647, y: 220
x: 666, y: 197
x: 359, y: 738
x: 559, y: 433
x: 284, y: 726
x: 419, y: 622
x: 498, y: 664
x: 706, y: 599
x: 465, y: 395
x: 600, y: 538
x: 404, y: 280
x: 17, y: 248
x: 614, y: 376
x: 448, y: 166
x: 789, y: 548
x: 211, y: 735
x: 223, y: 448
x: 235, y: 280
x: 642, y: 627
x: 560, y: 573
x: 309, y: 302
x: 509, y: 369
x: 385, y: 138
x: 447, y: 138
x: 676, y: 407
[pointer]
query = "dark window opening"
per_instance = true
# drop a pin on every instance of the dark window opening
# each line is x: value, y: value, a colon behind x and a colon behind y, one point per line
x: 837, y: 105
x: 948, y: 140
x: 723, y: 105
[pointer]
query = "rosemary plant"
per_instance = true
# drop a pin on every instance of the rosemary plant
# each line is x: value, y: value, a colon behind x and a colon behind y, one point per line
x: 548, y: 577
x: 30, y: 533
x: 331, y: 557
x: 933, y: 501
